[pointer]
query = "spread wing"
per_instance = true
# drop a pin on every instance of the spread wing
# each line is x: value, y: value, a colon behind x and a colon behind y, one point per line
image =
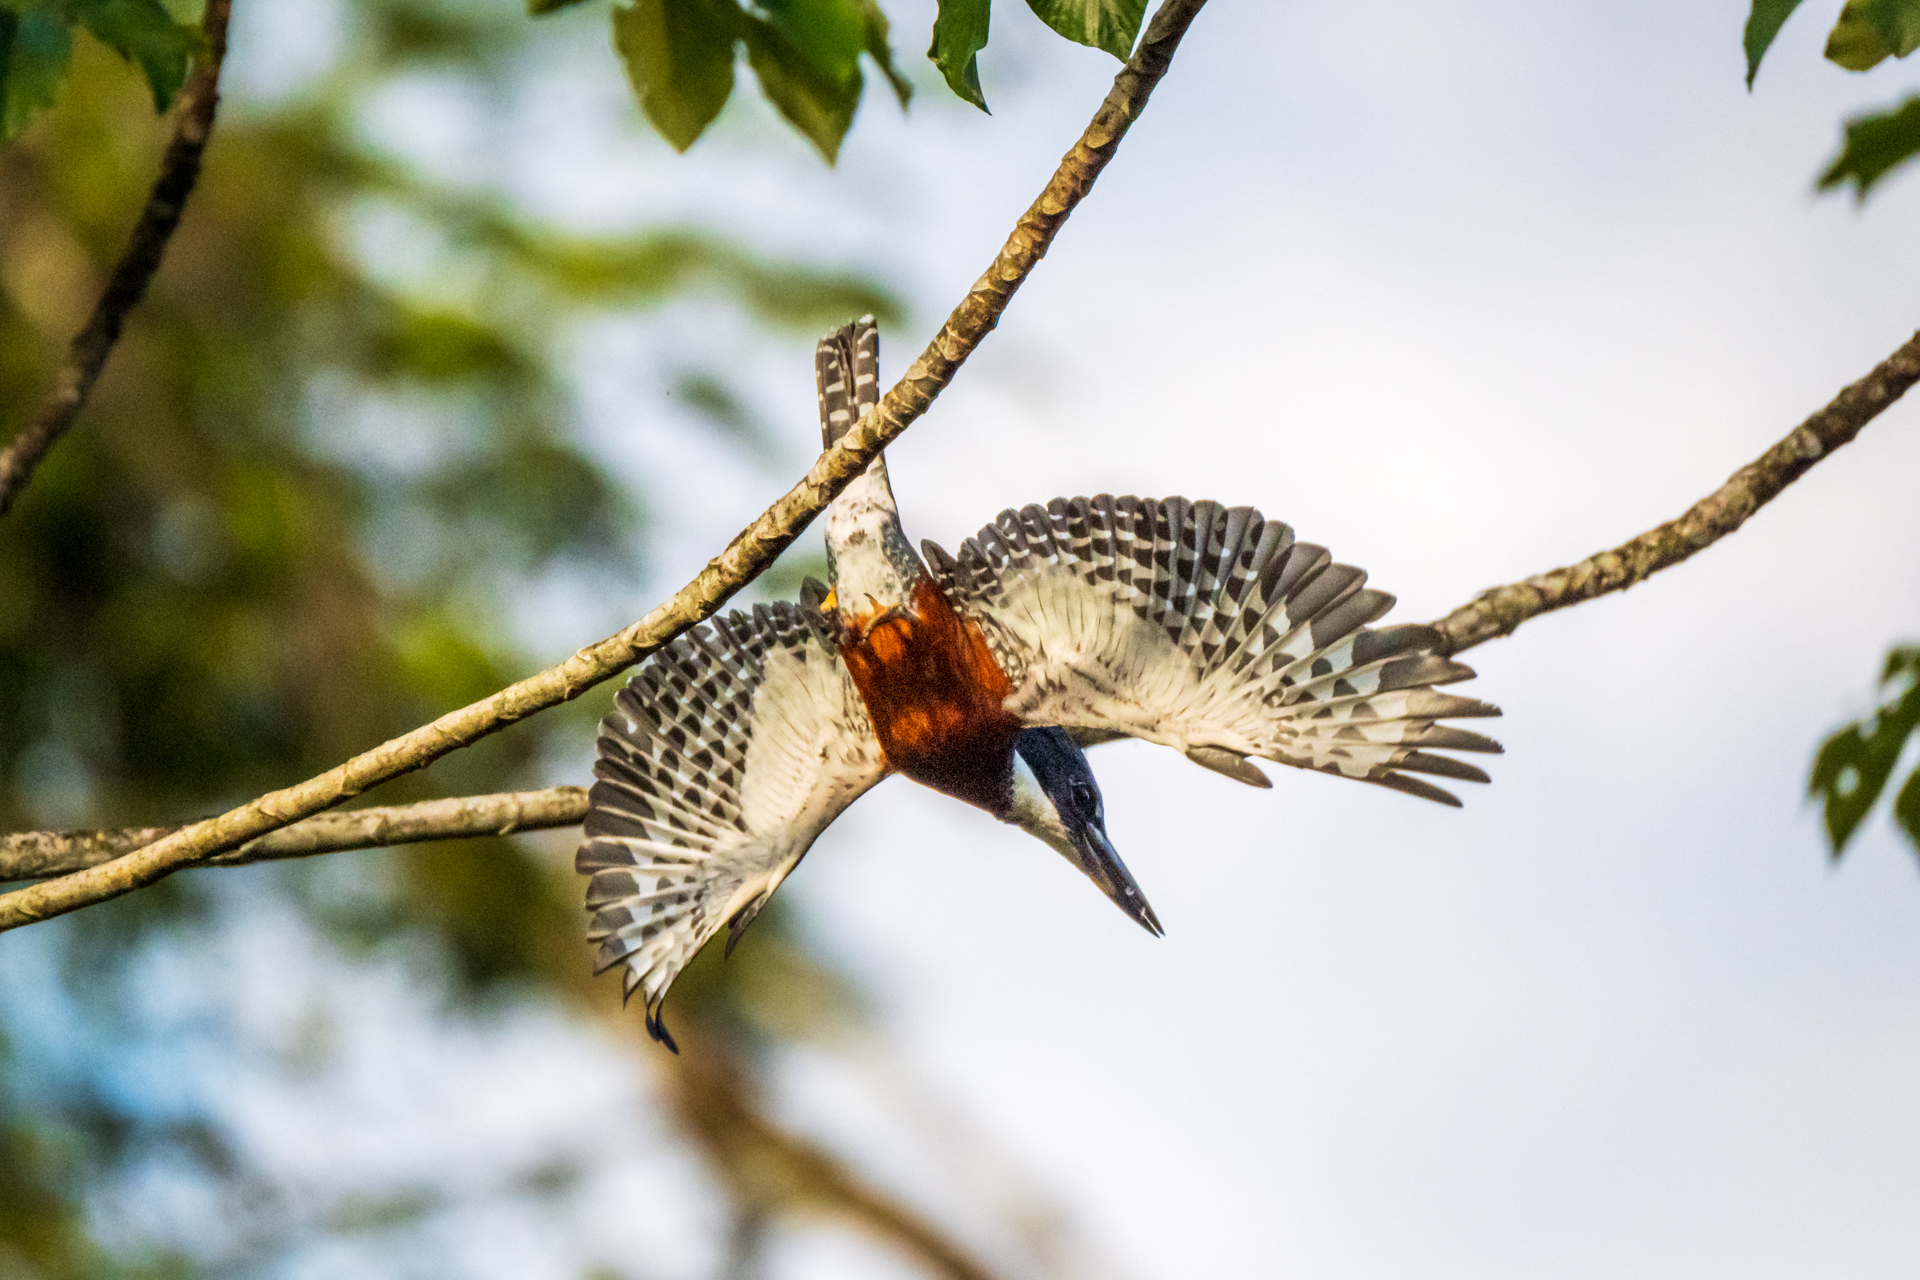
x: 725, y: 756
x: 1211, y: 630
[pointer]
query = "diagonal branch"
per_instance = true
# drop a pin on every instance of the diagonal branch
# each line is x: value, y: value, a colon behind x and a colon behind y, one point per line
x: 1489, y: 615
x: 745, y: 557
x: 87, y: 356
x: 1497, y: 612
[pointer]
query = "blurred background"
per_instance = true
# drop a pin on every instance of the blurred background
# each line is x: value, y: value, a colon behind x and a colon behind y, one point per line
x: 455, y: 367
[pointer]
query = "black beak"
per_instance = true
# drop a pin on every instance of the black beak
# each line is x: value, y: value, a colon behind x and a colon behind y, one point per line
x: 1094, y: 852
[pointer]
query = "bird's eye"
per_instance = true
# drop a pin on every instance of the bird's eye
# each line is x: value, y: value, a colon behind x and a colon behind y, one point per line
x: 1085, y: 796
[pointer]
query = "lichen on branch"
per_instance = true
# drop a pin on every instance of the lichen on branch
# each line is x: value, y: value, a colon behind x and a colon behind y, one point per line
x: 1497, y: 612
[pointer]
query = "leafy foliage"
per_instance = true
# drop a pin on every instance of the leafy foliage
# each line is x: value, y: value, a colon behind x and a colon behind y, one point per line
x: 1100, y: 24
x: 881, y: 51
x: 1763, y: 24
x: 1867, y: 33
x: 1876, y: 144
x: 1871, y: 31
x: 36, y: 43
x: 1854, y: 765
x: 680, y: 56
x: 310, y: 481
x: 145, y: 34
x: 959, y: 34
x: 805, y: 54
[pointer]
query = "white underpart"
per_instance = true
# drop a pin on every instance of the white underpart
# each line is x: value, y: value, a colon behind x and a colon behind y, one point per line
x: 873, y: 564
x: 1034, y: 812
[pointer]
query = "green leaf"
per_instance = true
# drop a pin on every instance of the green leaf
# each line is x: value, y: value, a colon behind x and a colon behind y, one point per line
x: 881, y: 51
x: 1846, y: 785
x: 807, y: 56
x: 1763, y: 24
x: 1870, y: 31
x: 679, y: 58
x: 35, y: 47
x: 1103, y: 24
x: 1875, y: 145
x: 829, y: 34
x: 535, y: 8
x: 1903, y: 663
x: 144, y: 33
x: 1855, y: 42
x: 812, y: 103
x: 959, y: 34
x: 1906, y: 808
x: 1851, y: 769
x: 1898, y: 22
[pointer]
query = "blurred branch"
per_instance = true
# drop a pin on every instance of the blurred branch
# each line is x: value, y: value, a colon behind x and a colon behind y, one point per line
x: 29, y: 855
x: 771, y: 1168
x: 750, y: 551
x: 179, y: 170
x: 1499, y: 611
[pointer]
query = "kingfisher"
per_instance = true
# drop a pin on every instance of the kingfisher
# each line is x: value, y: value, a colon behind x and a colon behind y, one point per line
x: 1204, y: 628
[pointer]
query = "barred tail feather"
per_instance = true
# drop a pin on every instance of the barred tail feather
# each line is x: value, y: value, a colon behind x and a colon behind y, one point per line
x: 847, y: 375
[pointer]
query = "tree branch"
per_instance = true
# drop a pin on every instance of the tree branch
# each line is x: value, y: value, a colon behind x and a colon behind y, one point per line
x: 1489, y: 615
x: 1497, y: 612
x: 745, y: 557
x: 87, y: 356
x: 31, y: 855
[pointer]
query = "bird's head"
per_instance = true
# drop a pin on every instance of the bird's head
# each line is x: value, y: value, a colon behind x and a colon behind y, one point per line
x: 1056, y: 799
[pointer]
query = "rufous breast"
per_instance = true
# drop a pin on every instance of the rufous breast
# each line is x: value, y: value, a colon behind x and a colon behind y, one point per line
x: 935, y: 695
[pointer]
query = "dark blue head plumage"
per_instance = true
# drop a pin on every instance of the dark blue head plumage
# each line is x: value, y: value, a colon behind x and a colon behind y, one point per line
x: 1057, y: 799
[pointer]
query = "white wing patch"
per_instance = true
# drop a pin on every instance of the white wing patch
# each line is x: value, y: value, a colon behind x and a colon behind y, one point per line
x: 1214, y: 631
x: 727, y: 754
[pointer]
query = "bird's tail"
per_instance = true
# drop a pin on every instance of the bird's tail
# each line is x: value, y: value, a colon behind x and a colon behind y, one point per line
x: 846, y: 367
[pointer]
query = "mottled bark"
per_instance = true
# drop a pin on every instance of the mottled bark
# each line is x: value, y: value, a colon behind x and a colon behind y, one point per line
x: 33, y: 854
x: 744, y: 558
x: 87, y: 355
x: 1497, y: 612
x: 1491, y: 614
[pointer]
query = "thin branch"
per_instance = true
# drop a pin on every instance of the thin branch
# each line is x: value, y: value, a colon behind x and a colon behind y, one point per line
x: 745, y: 557
x: 1497, y: 612
x: 179, y: 170
x: 31, y: 855
x: 1489, y: 615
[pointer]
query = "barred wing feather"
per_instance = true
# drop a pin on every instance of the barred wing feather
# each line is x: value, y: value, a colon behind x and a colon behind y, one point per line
x: 1214, y: 631
x: 725, y: 756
